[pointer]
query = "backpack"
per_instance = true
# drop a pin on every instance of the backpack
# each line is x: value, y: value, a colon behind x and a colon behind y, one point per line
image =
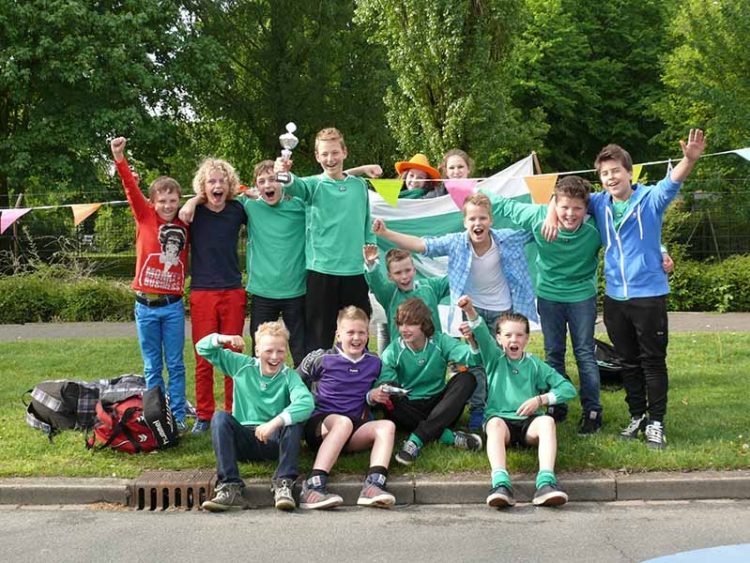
x: 66, y: 404
x: 138, y: 424
x: 610, y: 364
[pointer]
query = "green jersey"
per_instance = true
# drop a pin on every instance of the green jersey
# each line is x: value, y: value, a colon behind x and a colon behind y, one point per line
x: 430, y: 290
x: 422, y: 372
x: 259, y: 398
x: 275, y: 251
x: 512, y: 382
x: 566, y: 267
x: 338, y: 222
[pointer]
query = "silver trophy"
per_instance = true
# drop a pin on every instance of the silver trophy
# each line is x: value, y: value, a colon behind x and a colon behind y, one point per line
x: 288, y: 142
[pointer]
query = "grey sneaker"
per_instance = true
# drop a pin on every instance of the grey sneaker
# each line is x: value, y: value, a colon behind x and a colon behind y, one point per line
x: 408, y: 453
x: 282, y: 494
x: 637, y: 425
x: 500, y: 497
x: 228, y: 497
x: 467, y: 441
x: 549, y: 495
x: 317, y: 497
x: 374, y: 494
x: 655, y: 438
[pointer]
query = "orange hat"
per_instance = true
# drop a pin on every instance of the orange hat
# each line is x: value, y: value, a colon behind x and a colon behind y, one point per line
x: 420, y: 162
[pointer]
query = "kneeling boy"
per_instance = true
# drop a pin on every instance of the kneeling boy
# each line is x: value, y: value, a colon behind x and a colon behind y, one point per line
x: 417, y: 361
x: 516, y: 396
x: 270, y: 404
x: 340, y: 379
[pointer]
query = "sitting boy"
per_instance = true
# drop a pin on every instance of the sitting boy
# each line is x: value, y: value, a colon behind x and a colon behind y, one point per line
x: 161, y: 258
x: 340, y: 379
x: 417, y: 362
x: 400, y: 286
x: 517, y: 392
x: 270, y: 404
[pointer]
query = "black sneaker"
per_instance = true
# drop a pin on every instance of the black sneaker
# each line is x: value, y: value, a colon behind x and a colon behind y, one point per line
x: 591, y: 423
x: 655, y: 438
x: 228, y: 497
x: 467, y: 441
x: 550, y: 495
x: 558, y: 412
x: 637, y: 425
x: 408, y: 453
x: 500, y: 497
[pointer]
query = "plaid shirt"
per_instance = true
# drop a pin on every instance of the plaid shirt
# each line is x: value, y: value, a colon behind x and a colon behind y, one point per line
x: 510, y: 243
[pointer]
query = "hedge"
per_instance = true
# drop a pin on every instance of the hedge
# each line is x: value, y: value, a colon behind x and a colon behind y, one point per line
x: 54, y: 296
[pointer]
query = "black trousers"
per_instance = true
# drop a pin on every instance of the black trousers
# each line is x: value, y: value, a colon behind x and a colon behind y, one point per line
x: 326, y: 295
x: 638, y: 329
x: 292, y: 310
x: 427, y: 418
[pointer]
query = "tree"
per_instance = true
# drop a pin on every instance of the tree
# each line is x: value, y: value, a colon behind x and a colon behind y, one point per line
x: 593, y: 69
x: 74, y: 73
x: 450, y: 59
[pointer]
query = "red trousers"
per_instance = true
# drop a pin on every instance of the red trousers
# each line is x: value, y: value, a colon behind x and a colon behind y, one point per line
x: 221, y: 311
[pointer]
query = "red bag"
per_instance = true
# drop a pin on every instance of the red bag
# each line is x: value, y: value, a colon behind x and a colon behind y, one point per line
x: 121, y: 426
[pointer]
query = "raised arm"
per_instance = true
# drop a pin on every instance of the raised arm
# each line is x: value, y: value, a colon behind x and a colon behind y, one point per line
x: 369, y: 170
x: 691, y: 151
x: 407, y: 242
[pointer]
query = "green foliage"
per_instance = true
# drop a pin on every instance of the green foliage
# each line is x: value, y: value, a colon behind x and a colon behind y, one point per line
x: 450, y: 61
x: 706, y: 286
x: 53, y: 294
x: 114, y: 230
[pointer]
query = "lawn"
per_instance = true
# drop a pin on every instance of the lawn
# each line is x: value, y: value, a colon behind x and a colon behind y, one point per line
x: 708, y: 425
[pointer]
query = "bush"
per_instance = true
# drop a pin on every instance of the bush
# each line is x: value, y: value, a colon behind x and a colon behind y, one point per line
x: 711, y: 286
x: 50, y: 295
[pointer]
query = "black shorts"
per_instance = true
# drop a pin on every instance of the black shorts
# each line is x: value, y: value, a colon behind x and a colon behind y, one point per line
x: 314, y: 429
x: 518, y: 429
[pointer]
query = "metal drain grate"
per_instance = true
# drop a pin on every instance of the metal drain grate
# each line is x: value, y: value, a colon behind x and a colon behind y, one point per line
x: 161, y: 490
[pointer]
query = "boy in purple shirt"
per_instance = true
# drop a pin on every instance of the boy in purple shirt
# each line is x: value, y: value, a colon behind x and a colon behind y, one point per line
x: 340, y: 379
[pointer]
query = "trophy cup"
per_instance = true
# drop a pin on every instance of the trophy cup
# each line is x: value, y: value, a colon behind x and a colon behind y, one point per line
x: 288, y: 142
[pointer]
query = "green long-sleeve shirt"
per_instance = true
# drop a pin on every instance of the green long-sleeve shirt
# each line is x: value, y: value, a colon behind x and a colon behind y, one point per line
x: 512, y: 382
x: 338, y: 222
x: 258, y: 398
x: 566, y: 267
x: 423, y: 371
x: 430, y: 290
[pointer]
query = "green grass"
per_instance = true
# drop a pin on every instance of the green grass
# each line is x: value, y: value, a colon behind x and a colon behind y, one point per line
x: 707, y: 422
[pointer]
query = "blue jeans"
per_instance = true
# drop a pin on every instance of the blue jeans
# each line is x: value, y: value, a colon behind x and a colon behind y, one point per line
x: 580, y: 318
x: 161, y: 331
x: 234, y: 442
x: 478, y: 399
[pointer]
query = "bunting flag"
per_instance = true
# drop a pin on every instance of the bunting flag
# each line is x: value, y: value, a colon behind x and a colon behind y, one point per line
x: 388, y: 189
x: 82, y: 211
x: 744, y: 153
x: 637, y: 169
x: 10, y: 216
x: 541, y: 187
x: 459, y: 190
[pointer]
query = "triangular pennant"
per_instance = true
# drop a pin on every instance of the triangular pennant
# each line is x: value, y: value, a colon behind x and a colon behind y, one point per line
x: 637, y: 168
x: 744, y: 153
x: 388, y: 190
x: 541, y: 187
x: 82, y: 211
x: 460, y: 189
x: 10, y: 216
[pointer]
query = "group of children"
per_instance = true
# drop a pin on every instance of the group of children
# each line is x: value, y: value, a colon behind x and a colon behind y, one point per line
x: 321, y: 292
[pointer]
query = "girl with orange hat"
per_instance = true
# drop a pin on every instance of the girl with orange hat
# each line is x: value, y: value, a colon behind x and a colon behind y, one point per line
x: 420, y: 179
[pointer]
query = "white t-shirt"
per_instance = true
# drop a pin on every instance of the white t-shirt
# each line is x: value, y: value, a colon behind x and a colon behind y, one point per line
x: 487, y: 285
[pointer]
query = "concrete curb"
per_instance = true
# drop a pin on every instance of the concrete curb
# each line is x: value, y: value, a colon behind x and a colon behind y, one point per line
x: 419, y: 489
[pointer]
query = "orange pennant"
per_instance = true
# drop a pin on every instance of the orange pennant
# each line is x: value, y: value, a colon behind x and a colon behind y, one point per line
x: 388, y: 190
x: 541, y: 187
x: 84, y: 210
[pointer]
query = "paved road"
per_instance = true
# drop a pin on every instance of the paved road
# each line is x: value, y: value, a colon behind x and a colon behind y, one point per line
x: 678, y: 322
x: 579, y: 532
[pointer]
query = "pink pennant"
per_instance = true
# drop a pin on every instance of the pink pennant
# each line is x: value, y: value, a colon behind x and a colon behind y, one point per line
x: 10, y: 216
x: 460, y: 189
